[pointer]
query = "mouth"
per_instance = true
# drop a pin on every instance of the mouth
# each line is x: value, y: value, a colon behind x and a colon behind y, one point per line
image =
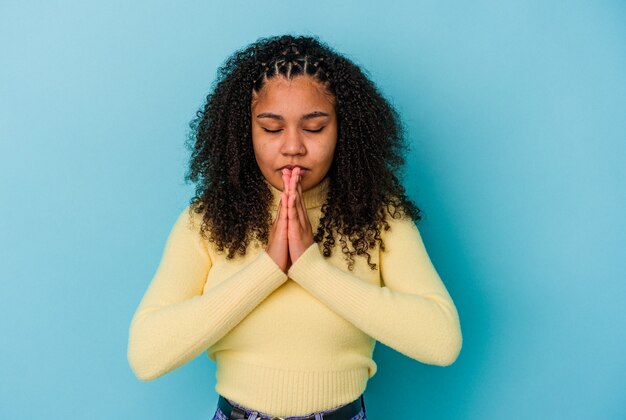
x: 292, y: 167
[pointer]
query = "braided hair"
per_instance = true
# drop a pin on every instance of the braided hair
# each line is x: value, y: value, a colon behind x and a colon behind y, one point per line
x: 231, y: 193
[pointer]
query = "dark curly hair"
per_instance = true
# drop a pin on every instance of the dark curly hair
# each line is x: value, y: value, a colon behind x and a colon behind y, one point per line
x: 231, y: 192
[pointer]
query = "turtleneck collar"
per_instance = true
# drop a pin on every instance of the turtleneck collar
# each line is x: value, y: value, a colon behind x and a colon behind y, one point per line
x: 314, y: 197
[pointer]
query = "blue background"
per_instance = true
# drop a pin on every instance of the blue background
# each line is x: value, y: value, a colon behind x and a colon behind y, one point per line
x: 516, y: 115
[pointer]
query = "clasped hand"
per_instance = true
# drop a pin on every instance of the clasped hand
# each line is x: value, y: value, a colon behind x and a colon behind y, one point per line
x: 291, y: 233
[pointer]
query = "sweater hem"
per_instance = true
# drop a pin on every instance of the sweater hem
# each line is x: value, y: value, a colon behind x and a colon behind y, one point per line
x: 289, y: 392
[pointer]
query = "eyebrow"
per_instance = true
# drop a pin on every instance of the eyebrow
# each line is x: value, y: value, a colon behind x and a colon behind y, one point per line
x: 308, y: 116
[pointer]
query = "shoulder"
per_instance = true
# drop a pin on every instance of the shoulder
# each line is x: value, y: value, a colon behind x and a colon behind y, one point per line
x: 402, y: 231
x: 191, y: 217
x: 188, y: 223
x: 400, y: 214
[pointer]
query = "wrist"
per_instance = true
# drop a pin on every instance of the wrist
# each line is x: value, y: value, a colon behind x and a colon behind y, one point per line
x: 300, y: 250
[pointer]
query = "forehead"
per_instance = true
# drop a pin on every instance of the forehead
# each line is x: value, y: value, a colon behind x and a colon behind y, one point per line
x: 300, y: 91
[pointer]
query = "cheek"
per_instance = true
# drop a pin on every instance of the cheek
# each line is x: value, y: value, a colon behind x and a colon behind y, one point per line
x: 327, y: 152
x: 328, y: 158
x: 265, y: 155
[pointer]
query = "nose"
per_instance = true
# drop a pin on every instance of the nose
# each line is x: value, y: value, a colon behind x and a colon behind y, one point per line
x: 293, y: 143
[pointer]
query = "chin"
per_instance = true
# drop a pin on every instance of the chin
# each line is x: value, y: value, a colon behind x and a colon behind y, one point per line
x: 307, y: 186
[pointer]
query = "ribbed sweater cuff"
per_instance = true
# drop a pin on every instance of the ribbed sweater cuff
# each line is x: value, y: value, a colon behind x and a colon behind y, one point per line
x: 330, y: 284
x: 266, y: 269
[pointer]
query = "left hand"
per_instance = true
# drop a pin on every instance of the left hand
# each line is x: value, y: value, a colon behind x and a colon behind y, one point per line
x: 300, y: 232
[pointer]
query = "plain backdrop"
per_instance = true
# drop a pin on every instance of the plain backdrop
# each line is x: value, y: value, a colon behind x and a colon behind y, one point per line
x: 515, y: 112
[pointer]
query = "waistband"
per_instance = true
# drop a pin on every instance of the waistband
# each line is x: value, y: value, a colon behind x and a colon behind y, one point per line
x: 345, y: 412
x: 288, y: 392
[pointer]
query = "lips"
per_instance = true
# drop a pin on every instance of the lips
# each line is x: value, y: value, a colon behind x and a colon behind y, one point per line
x: 292, y: 167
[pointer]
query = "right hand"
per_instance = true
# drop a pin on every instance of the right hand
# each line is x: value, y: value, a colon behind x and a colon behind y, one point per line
x: 278, y: 241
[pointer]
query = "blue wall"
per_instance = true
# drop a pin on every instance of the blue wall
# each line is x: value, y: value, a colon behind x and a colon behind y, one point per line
x: 516, y: 113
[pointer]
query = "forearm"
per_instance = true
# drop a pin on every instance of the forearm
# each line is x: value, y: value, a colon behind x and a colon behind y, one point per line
x: 164, y: 337
x: 423, y: 327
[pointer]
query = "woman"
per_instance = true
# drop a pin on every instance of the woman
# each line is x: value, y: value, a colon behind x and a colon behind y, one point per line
x: 294, y: 152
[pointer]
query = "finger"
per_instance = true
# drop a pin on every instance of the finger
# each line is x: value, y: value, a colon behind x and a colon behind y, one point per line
x: 291, y: 208
x: 294, y: 179
x: 286, y: 176
x: 284, y: 200
x: 280, y: 206
x: 293, y: 212
x: 302, y: 214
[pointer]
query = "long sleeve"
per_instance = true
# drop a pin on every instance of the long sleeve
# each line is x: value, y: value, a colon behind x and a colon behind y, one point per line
x: 175, y: 321
x: 412, y: 312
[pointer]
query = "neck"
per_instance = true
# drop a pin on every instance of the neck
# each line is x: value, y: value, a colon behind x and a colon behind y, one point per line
x: 313, y: 197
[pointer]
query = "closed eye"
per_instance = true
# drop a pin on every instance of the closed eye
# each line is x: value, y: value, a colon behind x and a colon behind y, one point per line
x: 276, y: 131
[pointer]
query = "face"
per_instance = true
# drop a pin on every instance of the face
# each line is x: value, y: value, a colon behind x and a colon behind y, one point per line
x: 294, y: 124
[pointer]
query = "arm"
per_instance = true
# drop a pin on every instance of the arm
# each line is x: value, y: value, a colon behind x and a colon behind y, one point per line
x: 412, y: 313
x: 174, y: 321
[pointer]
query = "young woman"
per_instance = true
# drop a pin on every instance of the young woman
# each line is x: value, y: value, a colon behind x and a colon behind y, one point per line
x: 299, y: 250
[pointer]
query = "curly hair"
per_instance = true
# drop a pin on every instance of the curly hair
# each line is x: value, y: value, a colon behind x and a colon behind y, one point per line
x: 364, y: 187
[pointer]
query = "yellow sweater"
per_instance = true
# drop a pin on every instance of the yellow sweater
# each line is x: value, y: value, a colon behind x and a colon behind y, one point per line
x: 291, y: 344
